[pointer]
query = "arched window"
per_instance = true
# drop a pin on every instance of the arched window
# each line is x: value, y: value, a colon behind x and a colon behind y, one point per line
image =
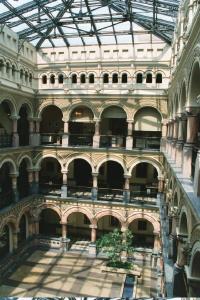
x: 44, y: 79
x: 30, y: 78
x: 91, y: 78
x: 149, y: 78
x: 115, y: 78
x: 124, y: 78
x: 52, y: 79
x: 159, y: 78
x: 83, y: 79
x: 74, y: 78
x: 21, y: 74
x: 60, y: 78
x: 105, y: 78
x: 26, y: 76
x: 7, y: 67
x: 139, y: 78
x: 13, y: 71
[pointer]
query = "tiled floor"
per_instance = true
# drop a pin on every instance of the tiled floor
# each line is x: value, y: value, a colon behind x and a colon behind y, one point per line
x: 71, y: 274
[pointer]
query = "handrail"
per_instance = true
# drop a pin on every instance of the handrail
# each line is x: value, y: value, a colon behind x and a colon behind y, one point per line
x: 5, y: 140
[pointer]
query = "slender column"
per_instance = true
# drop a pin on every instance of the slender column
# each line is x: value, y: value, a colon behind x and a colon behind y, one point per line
x: 164, y: 136
x: 15, y: 136
x: 14, y: 186
x: 65, y: 136
x: 30, y: 181
x: 192, y: 128
x: 161, y: 183
x: 64, y: 186
x: 129, y: 138
x: 36, y: 139
x: 31, y: 132
x: 35, y: 183
x: 95, y: 186
x: 156, y: 247
x: 64, y: 230
x: 127, y: 188
x: 15, y: 239
x: 179, y: 145
x: 37, y: 225
x: 174, y: 141
x: 93, y: 233
x: 96, y: 137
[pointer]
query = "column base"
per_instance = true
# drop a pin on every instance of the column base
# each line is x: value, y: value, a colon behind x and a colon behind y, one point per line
x: 15, y: 140
x: 179, y: 154
x: 129, y: 143
x: 96, y: 140
x: 94, y: 193
x: 65, y: 244
x: 126, y: 194
x: 65, y: 140
x: 34, y: 139
x: 63, y: 191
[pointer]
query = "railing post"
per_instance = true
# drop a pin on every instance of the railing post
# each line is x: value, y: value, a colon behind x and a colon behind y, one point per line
x: 96, y: 136
x: 94, y: 186
x: 129, y: 138
x: 65, y: 136
x: 64, y: 186
x: 126, y: 191
x: 15, y: 135
x: 14, y: 186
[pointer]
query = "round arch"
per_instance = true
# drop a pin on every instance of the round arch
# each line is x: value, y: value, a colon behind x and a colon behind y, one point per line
x: 41, y: 158
x: 28, y: 107
x: 11, y: 103
x: 79, y: 157
x: 44, y: 106
x: 108, y: 212
x: 194, y: 89
x: 72, y: 210
x: 117, y: 106
x: 27, y: 159
x: 152, y: 220
x: 114, y: 160
x: 12, y: 163
x: 183, y: 223
x: 154, y: 163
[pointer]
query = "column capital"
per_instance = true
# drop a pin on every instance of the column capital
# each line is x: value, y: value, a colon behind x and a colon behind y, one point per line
x: 127, y: 176
x: 92, y: 226
x: 95, y: 174
x: 14, y: 118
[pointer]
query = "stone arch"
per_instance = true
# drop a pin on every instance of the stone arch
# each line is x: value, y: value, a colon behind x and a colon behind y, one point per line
x: 52, y: 155
x: 83, y: 157
x: 108, y: 106
x: 143, y: 215
x: 183, y: 223
x: 28, y: 107
x: 68, y: 113
x: 11, y: 103
x: 25, y: 211
x: 45, y: 105
x: 9, y: 160
x: 11, y: 221
x: 28, y: 160
x: 53, y: 207
x: 151, y: 161
x: 194, y: 267
x: 117, y: 160
x: 76, y: 209
x: 109, y: 212
x: 193, y: 86
x: 148, y: 106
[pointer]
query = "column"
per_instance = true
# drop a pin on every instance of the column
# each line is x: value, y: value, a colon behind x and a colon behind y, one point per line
x: 129, y: 138
x: 37, y: 225
x: 15, y: 239
x: 192, y: 131
x: 96, y: 136
x: 95, y: 186
x: 65, y: 136
x: 15, y: 136
x: 65, y: 240
x: 164, y: 136
x: 156, y: 247
x: 161, y: 183
x: 197, y: 175
x: 14, y: 187
x: 64, y: 230
x: 169, y: 139
x: 127, y: 188
x: 179, y: 145
x: 35, y: 183
x: 173, y: 238
x: 93, y: 233
x: 30, y: 181
x: 174, y: 140
x: 64, y: 185
x: 31, y: 132
x: 37, y: 139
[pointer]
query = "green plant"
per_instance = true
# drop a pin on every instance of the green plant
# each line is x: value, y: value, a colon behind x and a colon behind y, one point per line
x: 114, y: 244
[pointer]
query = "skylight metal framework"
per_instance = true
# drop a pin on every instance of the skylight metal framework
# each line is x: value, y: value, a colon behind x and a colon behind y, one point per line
x: 84, y: 22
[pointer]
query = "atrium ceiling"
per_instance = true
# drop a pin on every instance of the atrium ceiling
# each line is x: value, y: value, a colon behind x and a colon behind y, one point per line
x: 54, y: 23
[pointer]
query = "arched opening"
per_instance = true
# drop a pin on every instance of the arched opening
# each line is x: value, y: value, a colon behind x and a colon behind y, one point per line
x: 30, y: 78
x: 49, y: 224
x: 52, y: 79
x: 124, y: 78
x: 21, y: 75
x: 22, y: 180
x: 74, y: 78
x: 79, y: 179
x: 6, y: 190
x: 111, y: 181
x: 26, y: 77
x: 44, y: 79
x: 91, y: 78
x: 83, y: 78
x: 23, y: 126
x: 115, y: 78
x: 22, y: 233
x: 158, y: 78
x: 51, y: 126
x: 7, y: 68
x: 81, y: 127
x: 78, y: 226
x: 113, y: 128
x: 105, y: 78
x: 13, y: 71
x: 139, y: 78
x: 183, y: 229
x: 149, y: 78
x: 60, y: 79
x: 144, y: 182
x: 1, y: 66
x: 195, y: 272
x: 142, y: 231
x: 50, y: 177
x: 5, y: 125
x: 107, y: 224
x: 147, y: 128
x: 5, y: 241
x: 194, y: 90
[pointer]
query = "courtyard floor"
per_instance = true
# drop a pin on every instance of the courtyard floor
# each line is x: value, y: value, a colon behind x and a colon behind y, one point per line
x: 49, y: 274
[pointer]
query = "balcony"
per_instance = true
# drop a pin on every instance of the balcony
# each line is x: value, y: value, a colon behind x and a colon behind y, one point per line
x: 5, y: 140
x: 112, y: 141
x: 149, y: 143
x: 51, y: 139
x: 80, y: 140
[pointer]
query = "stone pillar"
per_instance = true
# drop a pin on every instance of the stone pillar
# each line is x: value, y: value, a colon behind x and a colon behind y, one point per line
x: 127, y: 188
x: 197, y: 175
x: 156, y: 247
x: 164, y: 136
x: 37, y: 225
x: 173, y: 238
x: 192, y: 128
x: 35, y: 184
x: 64, y: 185
x: 174, y: 140
x: 95, y: 186
x: 169, y: 140
x: 129, y: 138
x: 65, y: 240
x: 161, y: 184
x: 96, y: 136
x: 15, y: 239
x: 179, y: 145
x: 14, y: 187
x: 65, y: 136
x: 30, y: 181
x: 36, y: 140
x: 15, y: 136
x: 64, y: 230
x: 93, y: 233
x: 31, y: 132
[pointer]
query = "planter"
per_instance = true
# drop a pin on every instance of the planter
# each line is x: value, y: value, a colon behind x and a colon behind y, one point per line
x: 136, y: 271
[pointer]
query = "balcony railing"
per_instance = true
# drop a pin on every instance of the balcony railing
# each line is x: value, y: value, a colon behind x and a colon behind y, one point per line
x: 151, y: 143
x: 108, y: 194
x: 83, y: 192
x: 80, y: 140
x: 50, y: 189
x: 112, y: 141
x: 5, y: 140
x: 51, y: 139
x: 6, y: 198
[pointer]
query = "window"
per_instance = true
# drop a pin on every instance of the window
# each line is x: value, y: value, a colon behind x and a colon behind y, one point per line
x: 113, y: 221
x: 83, y: 78
x: 149, y: 78
x: 124, y: 78
x: 60, y: 78
x: 52, y: 79
x: 44, y: 79
x: 142, y: 225
x: 74, y: 78
x: 139, y: 78
x: 115, y: 78
x: 91, y: 78
x: 105, y: 78
x: 141, y: 170
x: 158, y: 78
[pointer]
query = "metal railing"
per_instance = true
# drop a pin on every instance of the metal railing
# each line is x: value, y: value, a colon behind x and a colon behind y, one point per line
x: 51, y: 139
x: 83, y: 192
x: 50, y: 189
x: 151, y: 143
x: 6, y: 198
x: 80, y: 139
x: 5, y: 140
x: 109, y: 194
x: 112, y: 141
